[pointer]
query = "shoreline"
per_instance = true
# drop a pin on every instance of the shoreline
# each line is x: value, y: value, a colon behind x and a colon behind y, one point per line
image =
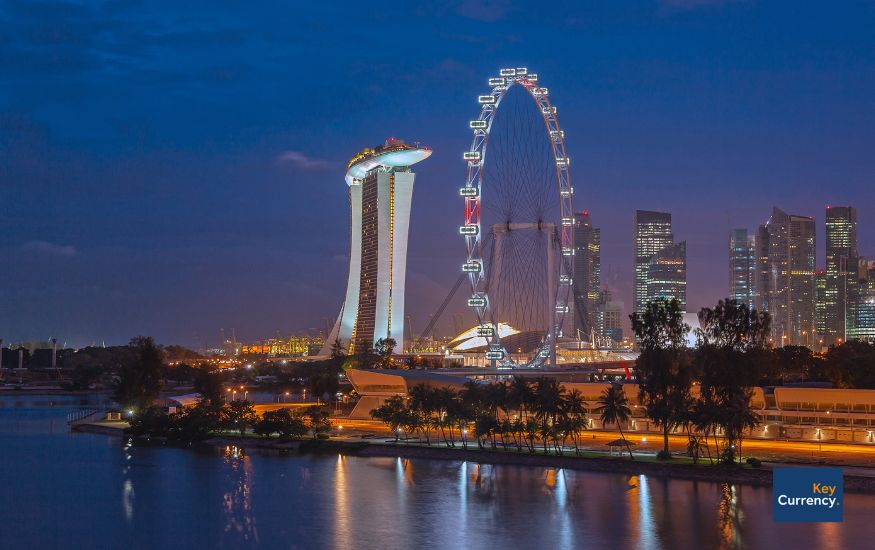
x: 758, y: 477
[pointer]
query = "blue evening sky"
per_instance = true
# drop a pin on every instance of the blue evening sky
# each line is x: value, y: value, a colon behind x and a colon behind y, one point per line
x: 170, y: 168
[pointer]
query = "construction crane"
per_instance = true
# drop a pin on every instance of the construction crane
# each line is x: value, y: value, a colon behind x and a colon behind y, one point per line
x: 429, y: 328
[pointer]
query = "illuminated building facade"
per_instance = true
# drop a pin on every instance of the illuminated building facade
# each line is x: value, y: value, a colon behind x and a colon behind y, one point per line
x: 667, y: 275
x: 380, y: 194
x: 651, y: 233
x: 613, y: 319
x: 786, y: 282
x: 587, y: 278
x: 841, y: 267
x: 820, y: 302
x: 742, y: 267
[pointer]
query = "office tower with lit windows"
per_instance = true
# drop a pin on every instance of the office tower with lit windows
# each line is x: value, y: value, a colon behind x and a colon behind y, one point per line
x: 588, y: 317
x: 786, y: 249
x: 380, y: 193
x: 820, y: 302
x: 613, y: 319
x: 742, y: 267
x: 667, y: 274
x: 863, y: 327
x: 841, y: 270
x: 651, y: 233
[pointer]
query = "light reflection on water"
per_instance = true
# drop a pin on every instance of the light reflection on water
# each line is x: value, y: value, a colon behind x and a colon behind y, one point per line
x: 63, y: 490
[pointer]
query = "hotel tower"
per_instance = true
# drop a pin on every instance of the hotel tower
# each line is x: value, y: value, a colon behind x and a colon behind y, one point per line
x: 380, y: 192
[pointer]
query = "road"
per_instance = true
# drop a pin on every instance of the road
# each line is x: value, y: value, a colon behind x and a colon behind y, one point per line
x: 772, y: 450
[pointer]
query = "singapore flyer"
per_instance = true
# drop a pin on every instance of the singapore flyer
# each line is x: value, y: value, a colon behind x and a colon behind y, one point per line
x: 518, y: 226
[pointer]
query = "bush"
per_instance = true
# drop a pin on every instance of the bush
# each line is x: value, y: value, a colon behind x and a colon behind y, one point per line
x: 283, y: 422
x: 755, y: 462
x: 322, y: 435
x: 152, y: 422
x: 663, y: 455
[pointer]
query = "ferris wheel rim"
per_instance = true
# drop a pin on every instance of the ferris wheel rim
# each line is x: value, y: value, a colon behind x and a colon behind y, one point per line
x: 473, y: 193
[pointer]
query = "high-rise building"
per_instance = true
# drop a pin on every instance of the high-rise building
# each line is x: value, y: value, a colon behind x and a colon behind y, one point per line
x: 651, y: 233
x: 667, y: 274
x: 786, y: 286
x: 380, y: 192
x: 742, y: 267
x: 613, y: 319
x: 587, y: 277
x: 863, y: 327
x: 762, y: 281
x: 820, y: 302
x: 841, y: 247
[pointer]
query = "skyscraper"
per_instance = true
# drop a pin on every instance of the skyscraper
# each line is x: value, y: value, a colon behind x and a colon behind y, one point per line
x: 841, y: 251
x: 742, y: 267
x: 651, y: 233
x: 613, y: 319
x: 820, y: 302
x: 786, y: 255
x: 588, y: 315
x: 380, y: 192
x: 667, y: 274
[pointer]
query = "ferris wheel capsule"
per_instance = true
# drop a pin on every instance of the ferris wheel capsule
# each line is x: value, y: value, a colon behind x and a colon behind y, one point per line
x: 468, y: 230
x: 507, y: 72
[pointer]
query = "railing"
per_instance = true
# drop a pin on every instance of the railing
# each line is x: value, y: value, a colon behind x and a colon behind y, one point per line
x: 83, y: 414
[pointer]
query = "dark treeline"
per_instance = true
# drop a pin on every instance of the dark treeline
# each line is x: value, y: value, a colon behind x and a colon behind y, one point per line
x: 213, y: 418
x: 730, y: 358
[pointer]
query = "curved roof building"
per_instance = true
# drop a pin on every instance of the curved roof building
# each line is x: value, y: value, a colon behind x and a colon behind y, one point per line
x: 380, y: 193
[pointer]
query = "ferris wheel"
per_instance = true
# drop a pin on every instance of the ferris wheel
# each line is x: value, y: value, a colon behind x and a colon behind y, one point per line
x: 519, y: 222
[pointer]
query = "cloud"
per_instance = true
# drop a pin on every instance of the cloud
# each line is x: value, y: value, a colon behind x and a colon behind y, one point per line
x: 302, y: 160
x: 50, y: 249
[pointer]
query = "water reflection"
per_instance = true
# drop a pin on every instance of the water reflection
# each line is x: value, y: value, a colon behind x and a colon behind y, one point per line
x: 128, y: 484
x: 237, y: 501
x: 162, y: 497
x: 729, y: 518
x: 342, y: 535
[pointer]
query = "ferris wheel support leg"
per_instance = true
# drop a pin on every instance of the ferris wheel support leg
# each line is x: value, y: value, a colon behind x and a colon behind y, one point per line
x: 551, y: 293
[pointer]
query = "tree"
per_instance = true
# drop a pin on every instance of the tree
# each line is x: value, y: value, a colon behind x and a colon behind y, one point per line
x: 208, y: 384
x: 151, y: 421
x: 324, y: 384
x: 239, y: 415
x: 320, y: 421
x: 614, y: 409
x: 385, y: 348
x: 574, y: 420
x: 423, y: 402
x: 140, y: 381
x: 730, y: 360
x: 195, y: 423
x: 282, y: 422
x: 662, y: 368
x: 338, y: 354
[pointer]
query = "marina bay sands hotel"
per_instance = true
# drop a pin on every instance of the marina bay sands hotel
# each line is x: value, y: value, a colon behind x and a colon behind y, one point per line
x: 380, y: 194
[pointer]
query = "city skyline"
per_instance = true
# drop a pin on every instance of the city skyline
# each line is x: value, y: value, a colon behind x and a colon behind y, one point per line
x: 182, y: 209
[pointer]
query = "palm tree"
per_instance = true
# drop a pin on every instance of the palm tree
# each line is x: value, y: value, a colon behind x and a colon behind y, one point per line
x: 520, y: 395
x: 614, y: 408
x: 549, y: 396
x: 573, y: 408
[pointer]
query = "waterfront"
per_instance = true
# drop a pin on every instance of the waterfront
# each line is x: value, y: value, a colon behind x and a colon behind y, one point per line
x: 90, y: 491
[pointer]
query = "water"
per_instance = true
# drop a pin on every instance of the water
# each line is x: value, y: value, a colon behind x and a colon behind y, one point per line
x: 87, y: 491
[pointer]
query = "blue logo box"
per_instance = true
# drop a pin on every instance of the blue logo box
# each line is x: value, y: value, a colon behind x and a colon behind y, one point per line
x: 808, y: 494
